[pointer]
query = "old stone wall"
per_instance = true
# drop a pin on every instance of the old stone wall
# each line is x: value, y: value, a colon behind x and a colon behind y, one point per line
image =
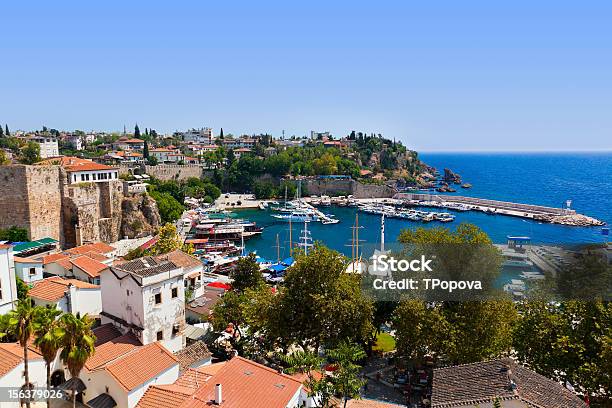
x: 30, y: 198
x: 333, y: 187
x: 92, y: 212
x: 164, y: 171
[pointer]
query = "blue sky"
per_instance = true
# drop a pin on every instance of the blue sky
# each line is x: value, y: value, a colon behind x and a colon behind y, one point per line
x: 438, y: 75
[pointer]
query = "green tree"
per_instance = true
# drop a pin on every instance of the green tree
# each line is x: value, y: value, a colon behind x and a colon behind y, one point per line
x: 152, y: 161
x: 221, y: 134
x: 21, y: 325
x: 77, y: 342
x: 321, y: 304
x: 1, y: 132
x: 145, y: 151
x: 169, y: 208
x: 4, y: 160
x: 346, y: 382
x: 246, y: 274
x: 6, y: 131
x: 168, y: 240
x: 48, y: 338
x: 30, y: 154
x: 136, y: 132
x: 22, y: 289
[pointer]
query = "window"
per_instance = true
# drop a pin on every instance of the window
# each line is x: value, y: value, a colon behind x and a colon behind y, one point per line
x: 158, y: 298
x: 0, y: 290
x: 32, y: 271
x: 174, y: 292
x: 175, y: 330
x: 160, y: 335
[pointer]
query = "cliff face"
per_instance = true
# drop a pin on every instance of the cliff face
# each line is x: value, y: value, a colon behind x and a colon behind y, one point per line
x: 139, y: 216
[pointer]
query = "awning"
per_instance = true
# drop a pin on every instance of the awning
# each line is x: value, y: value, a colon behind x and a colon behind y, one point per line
x: 219, y: 285
x: 277, y: 268
x: 288, y: 261
x: 102, y: 401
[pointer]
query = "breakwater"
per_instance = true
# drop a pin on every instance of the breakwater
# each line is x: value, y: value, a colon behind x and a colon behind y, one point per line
x: 563, y: 216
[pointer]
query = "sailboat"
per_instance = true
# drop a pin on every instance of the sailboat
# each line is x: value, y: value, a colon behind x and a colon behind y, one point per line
x: 305, y: 241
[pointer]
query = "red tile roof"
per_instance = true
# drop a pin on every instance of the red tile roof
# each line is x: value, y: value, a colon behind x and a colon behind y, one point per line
x: 72, y: 164
x: 163, y: 397
x: 111, y: 350
x: 99, y: 247
x: 90, y: 266
x: 105, y: 333
x: 54, y: 288
x: 11, y: 354
x: 53, y: 258
x: 245, y: 381
x: 131, y: 371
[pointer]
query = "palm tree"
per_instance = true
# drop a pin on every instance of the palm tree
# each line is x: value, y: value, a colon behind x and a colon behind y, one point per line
x: 78, y: 342
x: 21, y: 325
x: 48, y: 335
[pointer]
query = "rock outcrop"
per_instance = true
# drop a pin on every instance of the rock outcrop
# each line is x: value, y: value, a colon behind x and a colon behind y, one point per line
x: 451, y: 177
x: 139, y: 216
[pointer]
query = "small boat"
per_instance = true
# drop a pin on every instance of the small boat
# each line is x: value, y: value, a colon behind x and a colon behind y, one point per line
x: 466, y: 185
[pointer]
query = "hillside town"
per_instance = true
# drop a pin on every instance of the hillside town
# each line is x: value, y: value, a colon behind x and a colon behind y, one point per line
x: 124, y: 282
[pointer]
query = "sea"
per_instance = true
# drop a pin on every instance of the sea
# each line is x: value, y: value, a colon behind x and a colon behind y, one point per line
x: 548, y: 179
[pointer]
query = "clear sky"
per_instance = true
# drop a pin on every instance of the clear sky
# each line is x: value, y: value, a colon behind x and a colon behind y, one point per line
x: 438, y: 75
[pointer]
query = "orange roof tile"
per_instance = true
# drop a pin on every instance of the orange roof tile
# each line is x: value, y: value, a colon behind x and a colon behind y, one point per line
x: 245, y: 381
x: 74, y: 164
x: 163, y: 397
x: 53, y: 257
x: 96, y: 256
x: 11, y: 354
x: 194, y: 377
x: 368, y: 403
x: 20, y: 259
x: 111, y: 350
x: 130, y: 372
x: 54, y: 288
x: 90, y: 266
x: 99, y: 247
x: 105, y: 333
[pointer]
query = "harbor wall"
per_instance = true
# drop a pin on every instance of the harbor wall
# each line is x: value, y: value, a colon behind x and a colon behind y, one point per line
x: 337, y: 187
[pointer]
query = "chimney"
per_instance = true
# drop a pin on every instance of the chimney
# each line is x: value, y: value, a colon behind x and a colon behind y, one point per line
x: 218, y: 394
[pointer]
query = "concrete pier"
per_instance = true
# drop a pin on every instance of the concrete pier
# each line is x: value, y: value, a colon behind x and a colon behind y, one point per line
x: 536, y: 212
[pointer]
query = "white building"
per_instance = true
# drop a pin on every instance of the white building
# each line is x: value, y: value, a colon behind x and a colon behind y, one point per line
x: 203, y: 135
x: 8, y: 283
x: 48, y: 145
x: 12, y: 368
x: 146, y: 296
x: 28, y: 269
x: 83, y: 170
x: 68, y: 295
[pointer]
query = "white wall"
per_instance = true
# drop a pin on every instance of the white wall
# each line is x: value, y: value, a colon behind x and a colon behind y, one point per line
x: 8, y: 284
x: 14, y: 378
x: 100, y: 381
x: 93, y: 176
x: 22, y: 269
x: 86, y: 301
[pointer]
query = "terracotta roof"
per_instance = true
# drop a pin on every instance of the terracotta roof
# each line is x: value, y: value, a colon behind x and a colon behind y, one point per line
x: 194, y: 378
x: 53, y: 257
x: 90, y: 266
x: 192, y: 354
x: 99, y: 247
x: 130, y: 372
x: 482, y: 382
x: 75, y: 164
x: 163, y: 397
x: 20, y: 259
x: 111, y: 350
x: 133, y: 141
x: 54, y: 288
x: 11, y: 354
x: 245, y: 381
x: 180, y: 258
x: 65, y: 263
x: 204, y: 304
x: 96, y: 256
x: 105, y: 332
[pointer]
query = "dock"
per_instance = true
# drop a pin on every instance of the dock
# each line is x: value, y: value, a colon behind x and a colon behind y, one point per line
x: 563, y: 216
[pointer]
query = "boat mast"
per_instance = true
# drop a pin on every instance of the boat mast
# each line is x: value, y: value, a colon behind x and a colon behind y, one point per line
x: 290, y: 232
x: 382, y: 233
x: 277, y: 249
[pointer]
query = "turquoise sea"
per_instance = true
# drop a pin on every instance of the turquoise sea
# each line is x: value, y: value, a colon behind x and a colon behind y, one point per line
x: 533, y: 178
